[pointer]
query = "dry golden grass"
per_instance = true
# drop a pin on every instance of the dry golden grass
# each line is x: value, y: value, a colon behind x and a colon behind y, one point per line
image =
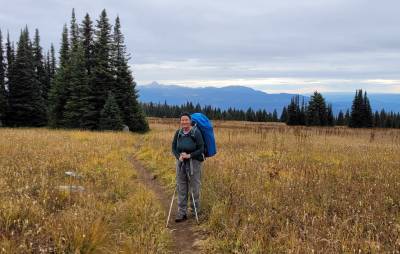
x: 114, y: 214
x: 278, y: 189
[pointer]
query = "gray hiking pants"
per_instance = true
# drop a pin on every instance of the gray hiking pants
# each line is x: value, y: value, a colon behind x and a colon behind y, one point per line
x: 188, y: 175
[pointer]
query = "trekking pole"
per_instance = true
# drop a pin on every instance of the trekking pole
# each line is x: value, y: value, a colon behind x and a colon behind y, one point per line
x: 191, y: 192
x: 170, y: 207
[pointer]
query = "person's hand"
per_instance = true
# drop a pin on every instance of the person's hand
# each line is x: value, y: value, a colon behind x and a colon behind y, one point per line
x: 181, y: 158
x: 185, y: 155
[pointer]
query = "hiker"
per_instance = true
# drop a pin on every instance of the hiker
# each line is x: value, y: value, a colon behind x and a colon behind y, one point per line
x: 188, y: 149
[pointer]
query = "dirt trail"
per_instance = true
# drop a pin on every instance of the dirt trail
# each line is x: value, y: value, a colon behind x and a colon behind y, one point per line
x: 186, y: 235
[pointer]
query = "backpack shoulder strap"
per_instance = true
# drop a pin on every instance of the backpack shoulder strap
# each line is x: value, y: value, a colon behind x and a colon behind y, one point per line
x: 179, y: 131
x: 193, y: 130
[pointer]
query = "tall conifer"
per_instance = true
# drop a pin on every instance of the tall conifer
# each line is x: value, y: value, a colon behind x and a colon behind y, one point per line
x: 58, y: 93
x: 125, y: 87
x: 26, y: 101
x: 3, y: 92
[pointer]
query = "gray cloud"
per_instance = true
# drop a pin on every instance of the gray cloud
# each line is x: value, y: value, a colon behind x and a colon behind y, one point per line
x: 340, y: 44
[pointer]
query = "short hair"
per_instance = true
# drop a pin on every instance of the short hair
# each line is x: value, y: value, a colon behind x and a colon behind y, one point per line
x: 185, y: 114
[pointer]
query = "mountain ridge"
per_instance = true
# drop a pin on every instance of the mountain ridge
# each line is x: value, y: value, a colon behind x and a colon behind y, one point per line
x: 243, y: 97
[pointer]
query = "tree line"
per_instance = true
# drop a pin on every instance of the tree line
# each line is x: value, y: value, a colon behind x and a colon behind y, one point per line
x: 90, y: 86
x: 318, y: 113
x: 215, y: 113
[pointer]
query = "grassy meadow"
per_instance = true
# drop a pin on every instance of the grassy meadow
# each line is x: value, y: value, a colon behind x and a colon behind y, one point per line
x: 278, y: 189
x: 270, y: 189
x: 110, y: 213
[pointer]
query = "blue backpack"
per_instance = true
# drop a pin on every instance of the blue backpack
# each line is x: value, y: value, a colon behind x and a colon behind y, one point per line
x: 205, y: 126
x: 201, y: 122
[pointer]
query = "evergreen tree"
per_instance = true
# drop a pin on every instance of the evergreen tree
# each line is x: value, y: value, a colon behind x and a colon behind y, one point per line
x: 347, y: 118
x: 52, y: 62
x: 283, y: 117
x: 58, y: 92
x: 356, y: 110
x: 39, y: 67
x: 340, y: 119
x: 302, y: 119
x: 377, y: 120
x: 250, y: 115
x: 293, y: 111
x: 361, y: 113
x: 275, y: 116
x: 368, y: 117
x: 110, y: 116
x: 330, y: 120
x: 25, y: 99
x: 10, y: 57
x: 87, y: 34
x: 74, y: 32
x: 102, y: 79
x: 77, y: 103
x: 3, y: 92
x: 317, y: 111
x: 124, y: 88
x: 383, y: 118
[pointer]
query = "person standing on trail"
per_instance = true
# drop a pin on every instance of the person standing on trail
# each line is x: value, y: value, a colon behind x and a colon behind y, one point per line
x: 188, y: 149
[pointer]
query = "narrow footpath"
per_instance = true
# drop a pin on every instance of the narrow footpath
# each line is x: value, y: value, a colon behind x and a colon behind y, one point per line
x: 186, y: 236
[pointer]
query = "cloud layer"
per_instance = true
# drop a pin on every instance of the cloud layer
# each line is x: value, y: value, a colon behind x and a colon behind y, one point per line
x: 275, y: 46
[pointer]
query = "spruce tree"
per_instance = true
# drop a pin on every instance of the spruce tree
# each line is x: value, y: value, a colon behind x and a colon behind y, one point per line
x: 361, y: 112
x: 110, y: 116
x: 340, y: 119
x: 382, y: 117
x: 293, y: 111
x: 250, y: 115
x: 377, y: 120
x: 58, y: 92
x: 368, y: 117
x: 10, y: 57
x: 347, y: 118
x: 275, y: 116
x: 39, y: 66
x: 330, y: 120
x: 87, y: 34
x: 25, y: 99
x: 317, y: 111
x: 303, y: 113
x: 283, y: 117
x: 74, y: 32
x: 77, y: 88
x: 47, y: 70
x: 102, y: 79
x: 77, y: 102
x: 3, y: 92
x: 52, y: 62
x: 356, y: 111
x: 124, y: 88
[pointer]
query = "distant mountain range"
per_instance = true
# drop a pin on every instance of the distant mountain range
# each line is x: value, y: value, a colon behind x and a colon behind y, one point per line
x: 242, y: 97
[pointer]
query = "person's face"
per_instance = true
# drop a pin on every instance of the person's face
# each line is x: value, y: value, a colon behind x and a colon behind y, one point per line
x: 185, y: 122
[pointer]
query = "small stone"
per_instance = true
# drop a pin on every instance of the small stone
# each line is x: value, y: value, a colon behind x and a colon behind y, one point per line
x: 125, y: 128
x: 72, y: 174
x: 71, y: 188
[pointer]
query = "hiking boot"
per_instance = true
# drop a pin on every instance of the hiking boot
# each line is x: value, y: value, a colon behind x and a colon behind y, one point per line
x: 180, y: 218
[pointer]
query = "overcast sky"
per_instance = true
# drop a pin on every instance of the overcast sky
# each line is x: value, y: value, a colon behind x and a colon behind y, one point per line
x: 275, y: 46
